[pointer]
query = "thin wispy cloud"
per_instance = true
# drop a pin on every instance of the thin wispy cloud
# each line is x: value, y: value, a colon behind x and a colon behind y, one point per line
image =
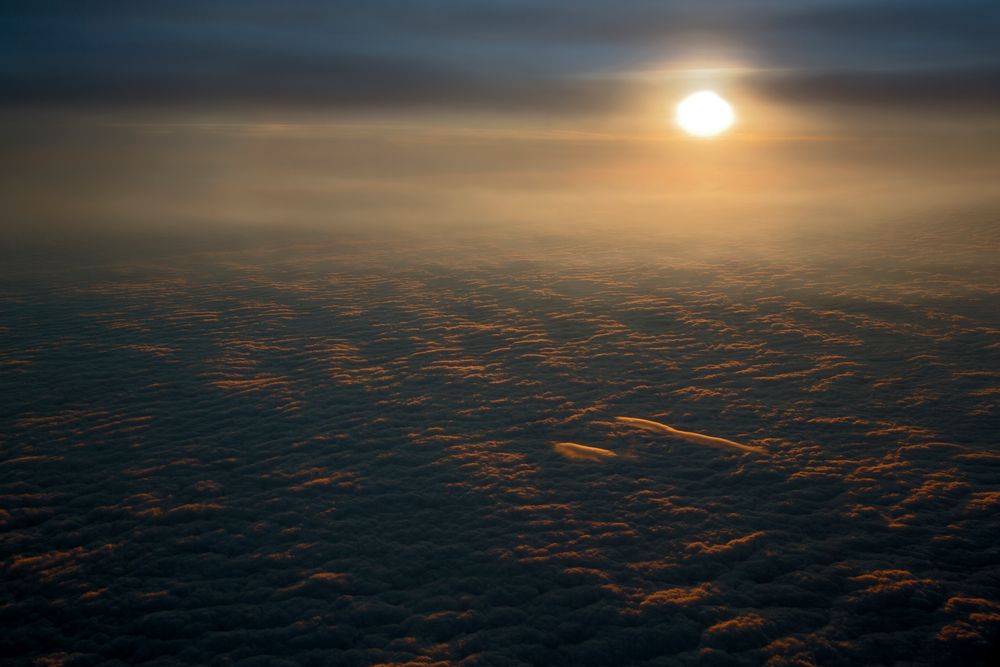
x: 688, y: 436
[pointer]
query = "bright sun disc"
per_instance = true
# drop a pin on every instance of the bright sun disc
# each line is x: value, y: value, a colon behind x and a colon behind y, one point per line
x: 704, y: 114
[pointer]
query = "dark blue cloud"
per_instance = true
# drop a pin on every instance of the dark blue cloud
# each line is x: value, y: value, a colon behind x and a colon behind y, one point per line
x: 499, y: 55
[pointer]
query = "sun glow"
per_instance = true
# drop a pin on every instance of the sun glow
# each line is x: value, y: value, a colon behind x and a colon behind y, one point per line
x: 704, y: 114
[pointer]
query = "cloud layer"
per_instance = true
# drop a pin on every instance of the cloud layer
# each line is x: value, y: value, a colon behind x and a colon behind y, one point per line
x: 340, y: 453
x: 501, y: 56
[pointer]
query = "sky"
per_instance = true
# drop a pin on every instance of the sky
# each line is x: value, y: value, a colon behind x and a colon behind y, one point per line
x: 416, y: 333
x: 176, y: 116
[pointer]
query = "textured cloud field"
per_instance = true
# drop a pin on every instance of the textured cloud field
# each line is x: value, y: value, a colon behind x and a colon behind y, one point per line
x: 375, y: 451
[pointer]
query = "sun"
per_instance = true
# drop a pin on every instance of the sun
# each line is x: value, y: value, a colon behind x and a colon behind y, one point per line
x: 704, y: 114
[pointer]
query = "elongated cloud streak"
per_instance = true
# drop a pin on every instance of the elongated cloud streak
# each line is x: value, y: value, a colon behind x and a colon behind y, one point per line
x: 696, y: 438
x: 576, y: 452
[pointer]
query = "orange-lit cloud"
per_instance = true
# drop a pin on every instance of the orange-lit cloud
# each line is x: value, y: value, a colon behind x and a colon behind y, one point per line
x: 688, y: 436
x: 575, y: 452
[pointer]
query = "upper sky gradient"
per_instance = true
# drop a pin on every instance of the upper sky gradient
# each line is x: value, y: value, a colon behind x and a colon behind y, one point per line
x: 498, y: 56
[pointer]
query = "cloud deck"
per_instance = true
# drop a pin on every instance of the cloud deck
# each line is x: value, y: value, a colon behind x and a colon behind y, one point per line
x: 341, y: 454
